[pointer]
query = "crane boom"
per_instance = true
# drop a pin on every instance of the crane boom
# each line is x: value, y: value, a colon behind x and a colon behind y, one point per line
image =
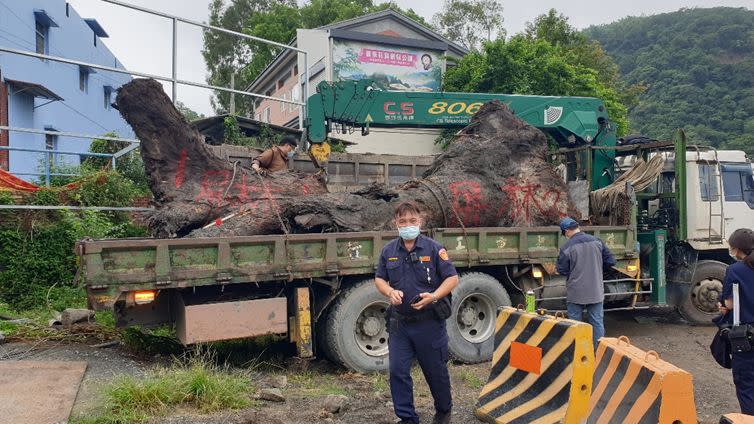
x: 570, y: 121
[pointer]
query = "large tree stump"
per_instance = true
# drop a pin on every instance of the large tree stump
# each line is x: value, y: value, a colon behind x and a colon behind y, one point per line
x: 494, y: 174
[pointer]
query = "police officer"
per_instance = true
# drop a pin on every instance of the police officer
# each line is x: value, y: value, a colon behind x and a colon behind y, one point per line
x: 417, y: 276
x: 741, y: 245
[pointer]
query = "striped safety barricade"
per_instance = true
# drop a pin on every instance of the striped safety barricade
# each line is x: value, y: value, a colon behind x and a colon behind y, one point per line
x: 634, y: 386
x: 541, y: 372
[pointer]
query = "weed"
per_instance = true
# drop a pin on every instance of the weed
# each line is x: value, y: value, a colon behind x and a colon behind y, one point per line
x: 317, y: 384
x: 197, y: 384
x: 380, y: 382
x: 470, y: 378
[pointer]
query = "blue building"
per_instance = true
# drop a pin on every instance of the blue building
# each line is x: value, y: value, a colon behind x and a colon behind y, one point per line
x: 49, y: 95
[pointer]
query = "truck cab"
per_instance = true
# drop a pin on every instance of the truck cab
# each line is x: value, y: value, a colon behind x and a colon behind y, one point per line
x: 719, y: 199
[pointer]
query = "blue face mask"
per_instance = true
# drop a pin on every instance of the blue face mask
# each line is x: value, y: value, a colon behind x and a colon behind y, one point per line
x: 409, y: 233
x: 291, y: 154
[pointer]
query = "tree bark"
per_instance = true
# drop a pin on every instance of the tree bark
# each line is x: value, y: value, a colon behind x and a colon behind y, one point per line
x: 494, y: 174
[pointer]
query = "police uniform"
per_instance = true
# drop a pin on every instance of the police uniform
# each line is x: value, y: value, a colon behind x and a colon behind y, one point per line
x: 743, y: 363
x: 416, y: 334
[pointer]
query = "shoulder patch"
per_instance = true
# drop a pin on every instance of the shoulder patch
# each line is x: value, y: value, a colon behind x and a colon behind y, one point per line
x: 443, y: 254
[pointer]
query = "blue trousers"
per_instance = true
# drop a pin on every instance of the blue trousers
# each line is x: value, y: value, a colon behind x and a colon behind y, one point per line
x: 594, y: 315
x: 743, y: 378
x: 427, y: 342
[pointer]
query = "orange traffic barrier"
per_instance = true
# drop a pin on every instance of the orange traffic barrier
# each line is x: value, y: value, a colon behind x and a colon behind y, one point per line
x: 634, y: 386
x: 541, y: 372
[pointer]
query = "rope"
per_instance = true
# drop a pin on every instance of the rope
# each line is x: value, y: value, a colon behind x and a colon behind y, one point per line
x: 439, y: 202
x: 274, y: 207
x: 458, y: 217
x: 232, y: 180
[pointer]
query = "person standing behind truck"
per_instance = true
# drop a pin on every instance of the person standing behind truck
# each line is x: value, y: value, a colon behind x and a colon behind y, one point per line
x: 741, y: 248
x: 275, y: 158
x: 581, y: 261
x: 416, y: 274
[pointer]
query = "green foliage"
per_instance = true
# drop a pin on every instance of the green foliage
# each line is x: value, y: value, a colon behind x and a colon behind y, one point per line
x: 470, y: 22
x: 187, y: 112
x: 198, y: 385
x: 36, y: 253
x: 231, y: 130
x: 696, y: 66
x: 272, y: 20
x: 6, y: 198
x: 130, y: 166
x: 536, y: 67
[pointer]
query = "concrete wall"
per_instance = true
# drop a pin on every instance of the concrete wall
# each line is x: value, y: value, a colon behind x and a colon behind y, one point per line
x: 81, y: 111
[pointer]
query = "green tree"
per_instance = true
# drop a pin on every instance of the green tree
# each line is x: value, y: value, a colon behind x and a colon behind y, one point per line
x: 470, y: 22
x: 272, y: 20
x: 554, y: 28
x: 529, y: 66
x: 225, y: 53
x: 696, y: 66
x: 187, y: 112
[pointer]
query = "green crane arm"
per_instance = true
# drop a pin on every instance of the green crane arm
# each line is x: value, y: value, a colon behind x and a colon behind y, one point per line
x: 571, y: 121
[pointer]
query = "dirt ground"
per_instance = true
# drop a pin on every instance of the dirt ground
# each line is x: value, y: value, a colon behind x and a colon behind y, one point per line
x: 369, y: 397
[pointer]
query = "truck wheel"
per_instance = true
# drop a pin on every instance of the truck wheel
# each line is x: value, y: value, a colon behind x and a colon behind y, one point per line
x: 699, y: 304
x: 471, y: 327
x: 355, y: 330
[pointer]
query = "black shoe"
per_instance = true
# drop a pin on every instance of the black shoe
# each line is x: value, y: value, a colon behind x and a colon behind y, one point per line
x: 441, y: 418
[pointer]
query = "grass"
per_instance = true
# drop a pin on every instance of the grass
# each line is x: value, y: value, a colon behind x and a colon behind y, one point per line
x: 198, y: 384
x: 469, y: 377
x: 311, y: 383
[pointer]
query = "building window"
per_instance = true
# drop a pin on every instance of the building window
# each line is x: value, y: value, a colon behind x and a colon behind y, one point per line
x: 282, y: 104
x: 266, y: 115
x: 295, y: 70
x: 42, y: 32
x: 83, y: 79
x: 108, y: 97
x: 51, y: 143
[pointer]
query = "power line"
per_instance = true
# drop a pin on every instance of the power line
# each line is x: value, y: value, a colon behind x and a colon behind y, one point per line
x: 83, y: 116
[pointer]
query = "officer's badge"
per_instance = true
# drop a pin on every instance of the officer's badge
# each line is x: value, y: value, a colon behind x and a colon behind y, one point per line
x: 443, y: 254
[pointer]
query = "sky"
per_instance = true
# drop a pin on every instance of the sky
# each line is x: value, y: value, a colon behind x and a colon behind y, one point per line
x: 143, y: 42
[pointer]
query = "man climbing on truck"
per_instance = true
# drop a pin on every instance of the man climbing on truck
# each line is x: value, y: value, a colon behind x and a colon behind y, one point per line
x: 581, y: 261
x: 275, y: 158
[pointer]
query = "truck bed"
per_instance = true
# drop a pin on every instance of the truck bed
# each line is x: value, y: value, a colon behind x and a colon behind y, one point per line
x: 110, y: 267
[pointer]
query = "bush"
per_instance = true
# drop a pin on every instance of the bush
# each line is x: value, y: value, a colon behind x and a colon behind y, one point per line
x: 36, y: 251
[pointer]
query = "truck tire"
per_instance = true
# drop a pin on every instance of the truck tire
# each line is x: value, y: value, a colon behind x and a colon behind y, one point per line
x: 471, y: 326
x: 699, y: 302
x: 355, y: 330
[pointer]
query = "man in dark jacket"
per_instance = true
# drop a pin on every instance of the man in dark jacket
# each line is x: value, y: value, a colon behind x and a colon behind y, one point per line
x: 581, y: 261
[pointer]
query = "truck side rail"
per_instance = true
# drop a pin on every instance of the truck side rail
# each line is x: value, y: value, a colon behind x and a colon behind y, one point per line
x: 136, y: 264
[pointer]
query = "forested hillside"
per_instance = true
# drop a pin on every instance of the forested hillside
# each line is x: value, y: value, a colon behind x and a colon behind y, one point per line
x: 697, y: 69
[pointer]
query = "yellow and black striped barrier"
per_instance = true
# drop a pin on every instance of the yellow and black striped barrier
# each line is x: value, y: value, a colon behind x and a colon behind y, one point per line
x: 542, y: 370
x: 634, y: 386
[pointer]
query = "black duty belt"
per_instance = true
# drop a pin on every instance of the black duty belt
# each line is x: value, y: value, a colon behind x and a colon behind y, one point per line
x: 423, y: 315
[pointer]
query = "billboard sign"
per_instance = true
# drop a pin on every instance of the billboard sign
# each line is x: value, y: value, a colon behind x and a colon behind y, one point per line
x: 391, y: 67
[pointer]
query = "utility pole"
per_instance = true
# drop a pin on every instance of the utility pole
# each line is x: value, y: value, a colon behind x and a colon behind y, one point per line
x: 232, y: 95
